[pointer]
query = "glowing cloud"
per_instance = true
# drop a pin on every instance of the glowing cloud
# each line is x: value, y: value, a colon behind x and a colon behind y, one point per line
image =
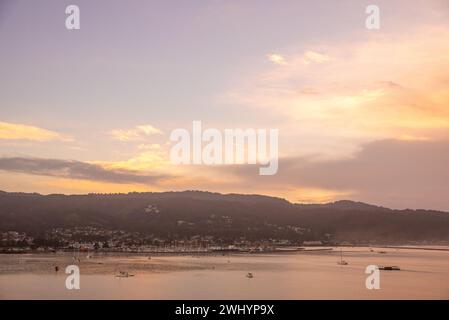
x: 315, y: 57
x: 136, y: 134
x: 363, y: 93
x: 276, y: 59
x: 14, y: 131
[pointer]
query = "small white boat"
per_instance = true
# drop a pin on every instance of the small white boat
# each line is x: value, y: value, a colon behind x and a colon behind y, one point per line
x: 249, y: 275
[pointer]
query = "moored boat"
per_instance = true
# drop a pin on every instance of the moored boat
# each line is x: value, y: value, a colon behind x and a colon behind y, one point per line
x: 389, y: 268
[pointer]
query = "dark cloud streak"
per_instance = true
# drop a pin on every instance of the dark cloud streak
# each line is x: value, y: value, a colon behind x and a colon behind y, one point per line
x: 73, y: 169
x: 394, y: 173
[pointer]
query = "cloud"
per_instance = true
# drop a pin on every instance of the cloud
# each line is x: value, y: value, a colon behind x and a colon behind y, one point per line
x: 72, y: 169
x: 14, y: 131
x: 389, y: 172
x: 149, y: 129
x: 307, y: 58
x: 386, y: 86
x: 138, y: 133
x: 276, y: 59
x: 315, y: 57
x: 393, y: 173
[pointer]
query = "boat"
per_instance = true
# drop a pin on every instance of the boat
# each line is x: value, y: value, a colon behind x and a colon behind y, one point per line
x: 342, y: 262
x: 249, y: 275
x: 389, y: 268
x: 76, y: 255
x: 124, y: 274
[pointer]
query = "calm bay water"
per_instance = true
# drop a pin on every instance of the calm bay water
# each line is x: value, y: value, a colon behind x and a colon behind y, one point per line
x: 304, y: 275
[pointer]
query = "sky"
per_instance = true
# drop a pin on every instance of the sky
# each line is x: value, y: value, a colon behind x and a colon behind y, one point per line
x: 362, y: 114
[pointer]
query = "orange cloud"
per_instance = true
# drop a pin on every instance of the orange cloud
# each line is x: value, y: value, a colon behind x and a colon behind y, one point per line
x: 14, y: 131
x: 388, y: 86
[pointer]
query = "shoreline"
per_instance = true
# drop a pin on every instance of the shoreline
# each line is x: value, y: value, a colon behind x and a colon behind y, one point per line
x: 280, y: 250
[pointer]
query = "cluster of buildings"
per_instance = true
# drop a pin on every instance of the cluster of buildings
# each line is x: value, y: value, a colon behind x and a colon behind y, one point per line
x: 14, y: 238
x: 99, y: 239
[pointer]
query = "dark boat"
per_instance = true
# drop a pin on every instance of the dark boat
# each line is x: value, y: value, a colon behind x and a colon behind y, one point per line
x: 389, y: 268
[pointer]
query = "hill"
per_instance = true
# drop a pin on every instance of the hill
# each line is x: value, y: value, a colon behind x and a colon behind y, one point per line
x: 179, y: 215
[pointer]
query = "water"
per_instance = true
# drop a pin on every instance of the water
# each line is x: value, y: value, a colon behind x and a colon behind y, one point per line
x: 305, y: 275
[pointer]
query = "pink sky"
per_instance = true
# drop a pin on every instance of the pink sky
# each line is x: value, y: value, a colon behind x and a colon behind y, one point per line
x: 362, y: 114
